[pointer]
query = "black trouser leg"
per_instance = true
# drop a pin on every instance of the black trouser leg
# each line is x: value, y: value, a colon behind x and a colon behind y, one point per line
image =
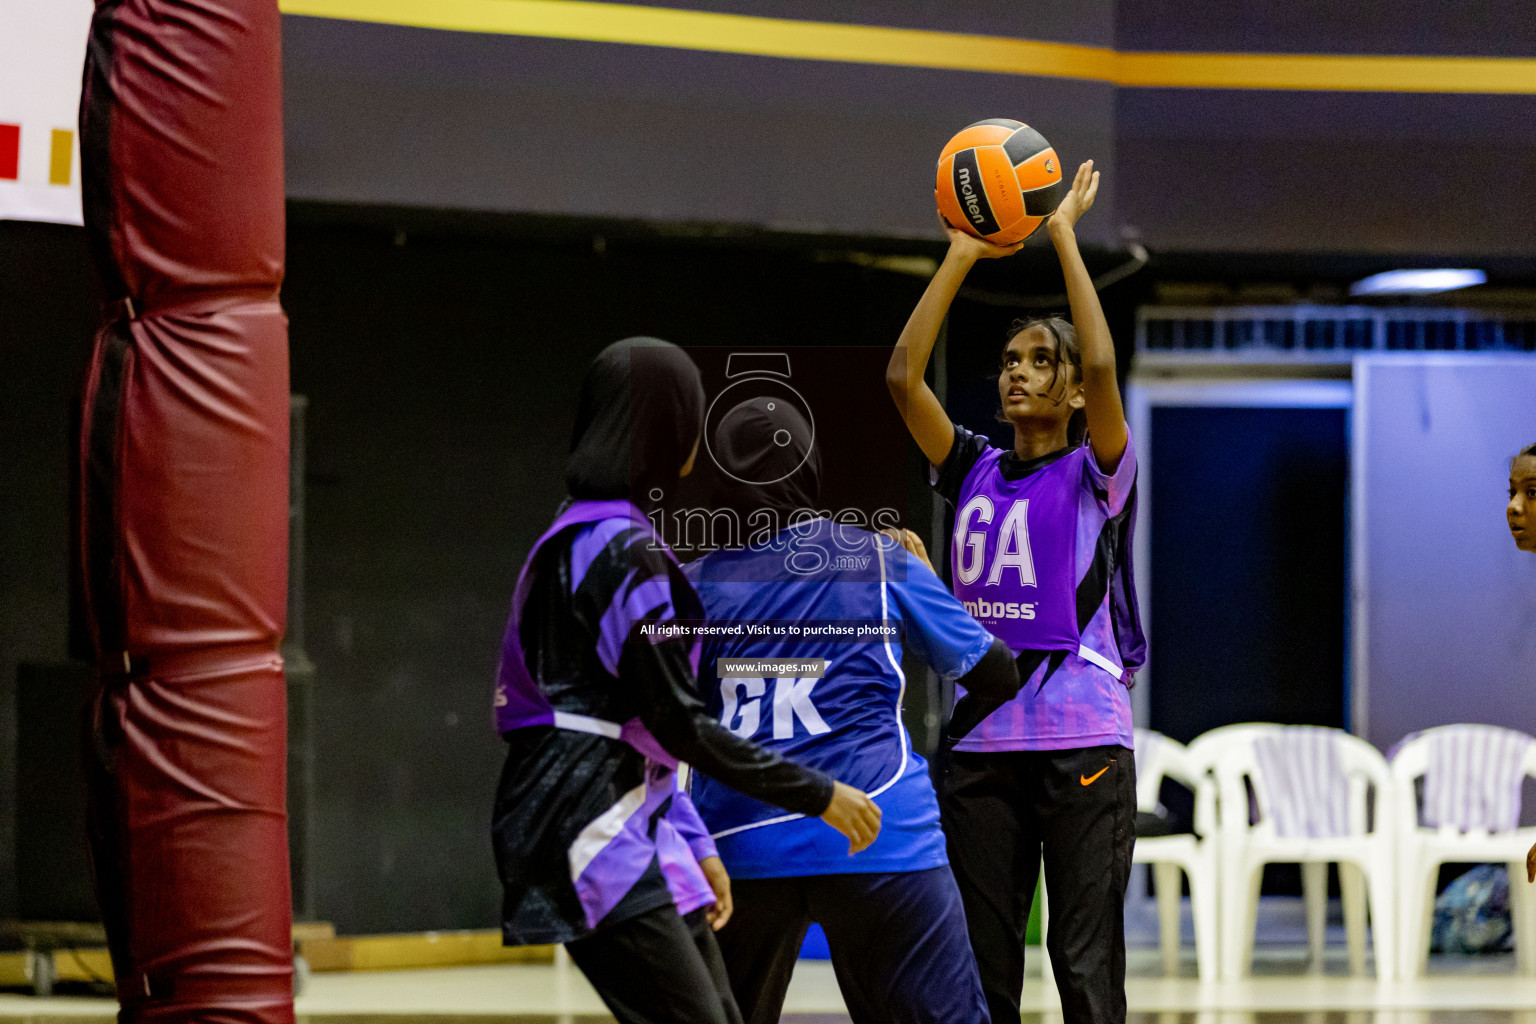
x: 1001, y: 811
x: 994, y: 851
x: 761, y: 942
x: 709, y: 948
x: 658, y: 968
x: 1089, y: 830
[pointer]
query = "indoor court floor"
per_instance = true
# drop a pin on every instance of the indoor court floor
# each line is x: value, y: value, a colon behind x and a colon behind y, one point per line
x: 1458, y: 990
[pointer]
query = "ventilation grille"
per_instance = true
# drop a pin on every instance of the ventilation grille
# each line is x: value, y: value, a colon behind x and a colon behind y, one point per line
x: 1325, y: 333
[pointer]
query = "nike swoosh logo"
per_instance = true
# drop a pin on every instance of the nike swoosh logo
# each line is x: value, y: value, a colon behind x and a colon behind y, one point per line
x: 1089, y: 780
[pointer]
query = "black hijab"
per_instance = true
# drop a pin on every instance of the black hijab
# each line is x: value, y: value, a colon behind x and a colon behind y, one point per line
x: 765, y: 446
x: 639, y: 415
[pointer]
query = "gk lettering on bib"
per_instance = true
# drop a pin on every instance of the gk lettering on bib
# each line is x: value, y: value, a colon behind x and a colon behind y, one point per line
x: 1015, y: 553
x: 791, y: 701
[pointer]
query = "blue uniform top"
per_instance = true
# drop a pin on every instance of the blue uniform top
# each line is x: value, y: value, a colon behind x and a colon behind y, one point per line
x: 847, y: 722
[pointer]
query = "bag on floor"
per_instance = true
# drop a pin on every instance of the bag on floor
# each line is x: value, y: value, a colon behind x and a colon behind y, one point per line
x: 1472, y: 914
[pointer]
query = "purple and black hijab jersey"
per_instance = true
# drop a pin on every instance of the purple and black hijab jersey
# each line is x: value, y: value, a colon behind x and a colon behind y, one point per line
x: 588, y: 829
x: 588, y: 580
x: 591, y: 825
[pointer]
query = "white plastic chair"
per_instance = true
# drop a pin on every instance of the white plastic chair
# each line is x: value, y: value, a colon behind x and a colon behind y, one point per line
x: 1364, y: 855
x: 1157, y: 757
x: 1205, y: 750
x: 1421, y: 850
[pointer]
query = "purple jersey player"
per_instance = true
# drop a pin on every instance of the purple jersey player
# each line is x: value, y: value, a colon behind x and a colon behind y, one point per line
x: 1041, y: 550
x: 1521, y: 513
x: 597, y: 844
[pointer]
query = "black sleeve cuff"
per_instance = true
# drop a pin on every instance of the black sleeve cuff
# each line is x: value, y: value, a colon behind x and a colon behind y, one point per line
x: 995, y: 676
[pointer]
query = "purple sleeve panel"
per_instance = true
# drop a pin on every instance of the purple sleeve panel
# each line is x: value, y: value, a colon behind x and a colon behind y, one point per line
x: 1118, y: 484
x: 614, y: 850
x: 631, y: 605
x: 680, y: 867
x: 519, y: 700
x: 590, y: 543
x: 685, y: 818
x: 611, y: 854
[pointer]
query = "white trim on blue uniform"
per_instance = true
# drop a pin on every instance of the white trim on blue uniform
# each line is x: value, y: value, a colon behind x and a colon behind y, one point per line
x: 901, y: 694
x: 901, y: 732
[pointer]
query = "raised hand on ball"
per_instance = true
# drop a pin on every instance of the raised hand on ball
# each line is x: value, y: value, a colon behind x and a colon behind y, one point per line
x: 1079, y: 199
x: 971, y: 248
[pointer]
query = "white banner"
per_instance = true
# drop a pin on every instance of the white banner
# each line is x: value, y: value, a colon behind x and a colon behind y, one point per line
x: 42, y: 57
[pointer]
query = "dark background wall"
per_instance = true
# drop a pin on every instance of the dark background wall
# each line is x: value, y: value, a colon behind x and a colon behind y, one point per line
x: 441, y: 361
x: 1325, y: 172
x: 1482, y: 28
x: 47, y: 313
x: 441, y: 375
x: 1355, y: 173
x: 475, y: 216
x: 1250, y: 586
x: 384, y: 114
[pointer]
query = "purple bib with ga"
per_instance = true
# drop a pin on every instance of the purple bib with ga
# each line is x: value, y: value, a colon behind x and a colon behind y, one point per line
x: 1015, y: 552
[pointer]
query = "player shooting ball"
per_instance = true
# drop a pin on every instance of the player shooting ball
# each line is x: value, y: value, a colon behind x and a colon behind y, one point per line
x: 1041, y: 558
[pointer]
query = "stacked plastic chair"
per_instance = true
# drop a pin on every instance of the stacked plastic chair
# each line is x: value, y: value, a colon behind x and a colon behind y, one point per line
x: 1470, y: 814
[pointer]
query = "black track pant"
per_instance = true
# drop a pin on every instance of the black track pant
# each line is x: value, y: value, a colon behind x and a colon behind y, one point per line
x: 1001, y: 810
x: 658, y: 968
x: 897, y: 940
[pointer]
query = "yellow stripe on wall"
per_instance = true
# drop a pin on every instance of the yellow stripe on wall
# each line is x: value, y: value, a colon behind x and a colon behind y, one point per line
x: 61, y: 157
x: 1327, y: 73
x: 721, y: 33
x: 591, y: 21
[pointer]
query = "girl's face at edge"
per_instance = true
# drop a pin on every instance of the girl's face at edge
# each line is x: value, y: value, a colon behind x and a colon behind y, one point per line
x: 1031, y: 384
x: 1521, y: 510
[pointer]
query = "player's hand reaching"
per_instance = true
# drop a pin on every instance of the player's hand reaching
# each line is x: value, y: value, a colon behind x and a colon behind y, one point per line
x: 720, y: 881
x: 1079, y: 199
x: 854, y: 815
x: 970, y: 248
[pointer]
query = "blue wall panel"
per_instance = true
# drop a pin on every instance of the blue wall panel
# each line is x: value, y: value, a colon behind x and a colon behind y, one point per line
x: 1445, y: 616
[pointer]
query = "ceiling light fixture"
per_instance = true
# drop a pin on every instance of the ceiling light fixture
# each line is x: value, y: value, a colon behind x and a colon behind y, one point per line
x: 1416, y: 282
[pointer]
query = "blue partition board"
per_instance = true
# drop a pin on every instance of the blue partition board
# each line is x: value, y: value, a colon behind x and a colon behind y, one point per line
x: 1444, y: 604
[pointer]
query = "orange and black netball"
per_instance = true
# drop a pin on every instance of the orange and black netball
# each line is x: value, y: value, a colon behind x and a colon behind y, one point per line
x: 998, y: 180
